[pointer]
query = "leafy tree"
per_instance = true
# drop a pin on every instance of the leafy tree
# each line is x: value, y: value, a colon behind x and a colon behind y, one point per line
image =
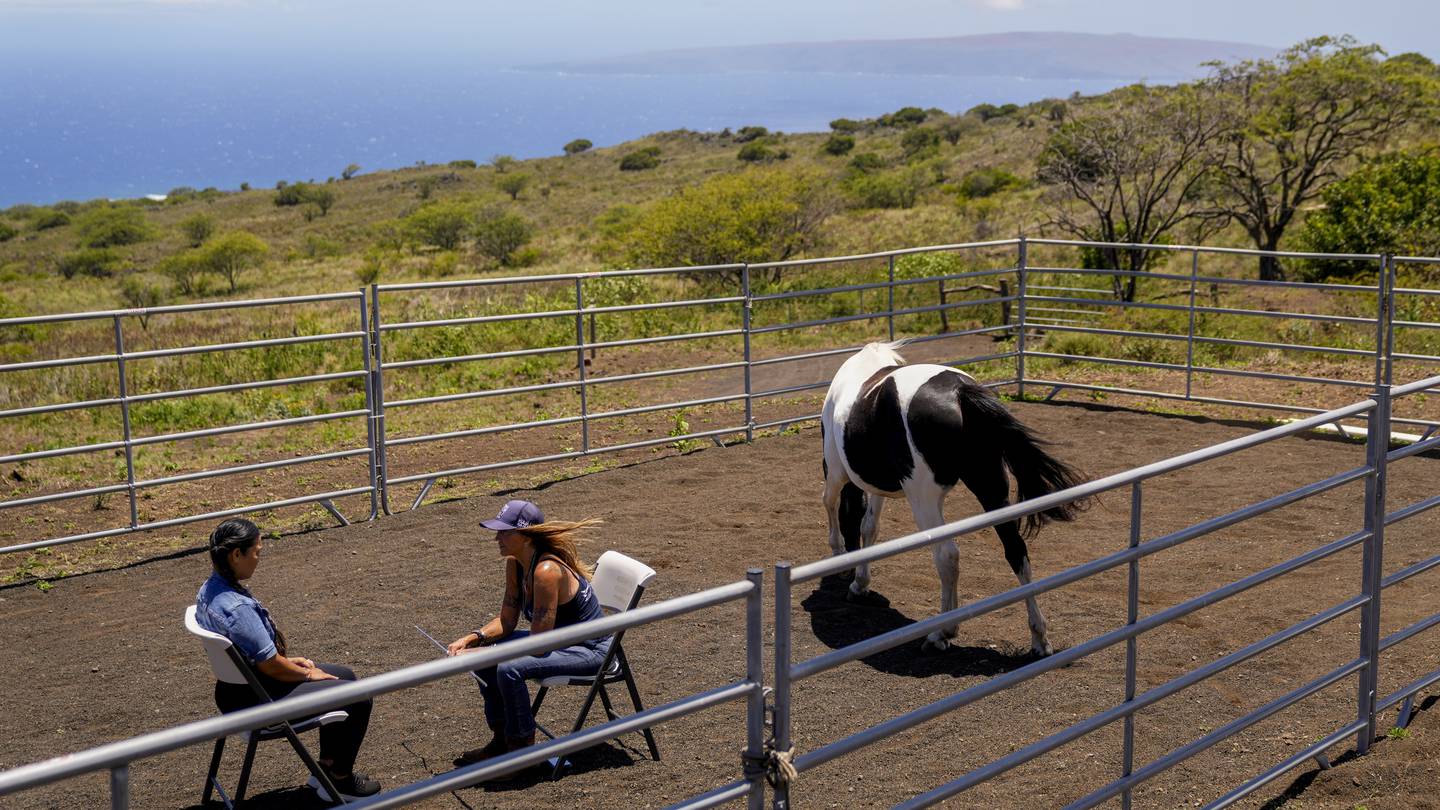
x: 441, y: 224
x: 747, y: 134
x: 139, y: 293
x: 513, y: 184
x: 577, y: 146
x: 867, y: 162
x: 1297, y: 120
x: 640, y: 159
x: 7, y: 231
x: 1136, y: 167
x: 111, y: 226
x: 1389, y: 205
x: 845, y: 125
x: 350, y: 171
x: 499, y: 234
x: 838, y: 144
x: 502, y: 162
x: 323, y: 199
x: 986, y: 112
x: 100, y: 262
x: 231, y: 254
x: 462, y: 164
x: 757, y: 215
x: 186, y: 272
x: 197, y: 228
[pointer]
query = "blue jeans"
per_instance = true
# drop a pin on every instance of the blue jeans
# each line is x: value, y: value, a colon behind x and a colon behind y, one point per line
x: 507, y: 697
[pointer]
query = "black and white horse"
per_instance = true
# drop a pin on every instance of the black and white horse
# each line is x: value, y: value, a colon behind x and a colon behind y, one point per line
x: 915, y: 431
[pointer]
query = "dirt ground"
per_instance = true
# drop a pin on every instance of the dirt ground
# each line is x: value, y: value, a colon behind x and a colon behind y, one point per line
x: 104, y: 656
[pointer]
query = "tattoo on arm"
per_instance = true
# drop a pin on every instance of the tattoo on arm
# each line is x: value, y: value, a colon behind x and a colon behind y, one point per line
x: 542, y: 615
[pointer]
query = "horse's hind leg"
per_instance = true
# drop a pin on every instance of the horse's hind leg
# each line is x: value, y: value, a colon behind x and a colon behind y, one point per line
x: 993, y: 491
x: 928, y: 510
x: 869, y: 525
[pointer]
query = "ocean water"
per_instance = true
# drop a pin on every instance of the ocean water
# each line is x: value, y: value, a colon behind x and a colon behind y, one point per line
x: 124, y: 131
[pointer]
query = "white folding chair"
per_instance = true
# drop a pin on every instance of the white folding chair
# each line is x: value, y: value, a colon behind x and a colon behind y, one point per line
x: 230, y: 666
x: 619, y: 582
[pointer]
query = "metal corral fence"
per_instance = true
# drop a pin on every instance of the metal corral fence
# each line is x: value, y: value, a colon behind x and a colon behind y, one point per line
x: 771, y: 757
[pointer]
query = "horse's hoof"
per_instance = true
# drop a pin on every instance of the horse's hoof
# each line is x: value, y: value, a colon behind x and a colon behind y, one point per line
x: 1042, y: 650
x: 938, y: 645
x: 866, y: 599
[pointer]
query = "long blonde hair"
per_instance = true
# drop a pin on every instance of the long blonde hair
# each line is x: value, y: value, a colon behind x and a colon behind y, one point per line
x: 558, y: 539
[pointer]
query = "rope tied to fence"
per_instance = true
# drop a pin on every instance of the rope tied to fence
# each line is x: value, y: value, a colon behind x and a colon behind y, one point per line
x: 777, y: 767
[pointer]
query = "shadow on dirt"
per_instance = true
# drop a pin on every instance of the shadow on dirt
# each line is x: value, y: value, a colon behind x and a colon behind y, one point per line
x: 838, y: 623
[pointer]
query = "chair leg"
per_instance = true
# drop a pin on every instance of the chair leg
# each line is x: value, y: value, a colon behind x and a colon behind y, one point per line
x: 245, y: 770
x: 539, y: 698
x: 214, y: 769
x: 605, y: 701
x: 314, y: 766
x: 595, y: 686
x: 635, y: 699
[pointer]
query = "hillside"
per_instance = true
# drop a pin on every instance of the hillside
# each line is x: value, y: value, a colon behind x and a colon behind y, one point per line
x: 1035, y: 55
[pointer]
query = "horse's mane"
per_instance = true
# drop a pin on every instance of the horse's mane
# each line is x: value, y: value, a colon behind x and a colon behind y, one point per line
x: 887, y: 351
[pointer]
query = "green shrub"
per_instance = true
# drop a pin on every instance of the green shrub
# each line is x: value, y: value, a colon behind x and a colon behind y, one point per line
x: 46, y: 218
x: 112, y: 226
x: 920, y: 142
x: 290, y: 194
x: 513, y: 184
x: 350, y: 171
x: 93, y: 262
x: 903, y: 117
x: 747, y: 134
x: 985, y: 182
x: 838, y: 144
x: 640, y: 159
x: 895, y: 189
x: 845, y: 125
x: 186, y: 272
x: 759, y: 152
x: 197, y: 228
x: 986, y: 112
x: 502, y: 162
x: 498, y: 234
x: 577, y: 146
x: 373, y: 264
x: 867, y: 162
x: 463, y: 164
x: 1390, y: 205
x: 138, y: 292
x: 7, y: 231
x: 231, y: 254
x: 442, y: 224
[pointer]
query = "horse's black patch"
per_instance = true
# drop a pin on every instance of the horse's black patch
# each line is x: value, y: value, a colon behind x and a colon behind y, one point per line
x: 876, y: 448
x: 935, y: 421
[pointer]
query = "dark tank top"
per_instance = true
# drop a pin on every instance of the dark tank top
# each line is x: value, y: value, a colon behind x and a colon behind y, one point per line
x: 584, y: 606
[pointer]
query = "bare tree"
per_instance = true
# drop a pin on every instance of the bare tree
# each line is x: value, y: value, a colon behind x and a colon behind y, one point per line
x: 1296, y: 122
x: 1135, y: 163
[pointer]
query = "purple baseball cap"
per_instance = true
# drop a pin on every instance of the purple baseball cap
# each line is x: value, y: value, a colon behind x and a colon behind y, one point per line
x: 515, y: 515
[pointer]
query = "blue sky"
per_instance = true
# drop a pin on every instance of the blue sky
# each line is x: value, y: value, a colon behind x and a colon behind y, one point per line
x: 489, y: 33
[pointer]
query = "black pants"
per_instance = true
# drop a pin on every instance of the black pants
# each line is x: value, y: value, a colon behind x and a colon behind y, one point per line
x: 339, y: 742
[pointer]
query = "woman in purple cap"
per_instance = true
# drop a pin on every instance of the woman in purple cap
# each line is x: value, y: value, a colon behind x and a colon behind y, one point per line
x: 546, y: 581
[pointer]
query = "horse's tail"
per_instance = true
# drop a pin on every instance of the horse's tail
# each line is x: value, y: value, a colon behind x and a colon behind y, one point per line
x: 1036, y: 472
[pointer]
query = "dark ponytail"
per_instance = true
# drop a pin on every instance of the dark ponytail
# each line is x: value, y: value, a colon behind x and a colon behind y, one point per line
x: 236, y: 534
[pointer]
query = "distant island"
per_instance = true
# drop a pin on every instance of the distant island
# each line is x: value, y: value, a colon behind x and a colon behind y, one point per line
x: 1034, y: 55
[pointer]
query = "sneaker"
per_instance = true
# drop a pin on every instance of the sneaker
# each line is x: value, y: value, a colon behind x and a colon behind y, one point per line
x: 355, y: 786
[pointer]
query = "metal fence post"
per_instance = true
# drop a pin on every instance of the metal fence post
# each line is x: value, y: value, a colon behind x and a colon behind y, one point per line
x: 755, y: 704
x: 1389, y: 318
x: 120, y: 787
x: 1132, y: 614
x: 1383, y: 334
x: 1377, y: 445
x: 377, y: 402
x: 580, y: 364
x: 890, y: 318
x: 781, y: 721
x: 1190, y: 333
x: 745, y: 309
x: 125, y: 422
x: 366, y: 349
x: 1021, y: 293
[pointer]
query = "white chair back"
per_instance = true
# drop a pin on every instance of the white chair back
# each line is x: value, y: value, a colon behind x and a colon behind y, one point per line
x: 215, y: 647
x: 616, y: 579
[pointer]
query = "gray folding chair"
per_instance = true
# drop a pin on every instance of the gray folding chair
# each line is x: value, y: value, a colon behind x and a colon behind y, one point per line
x: 619, y: 582
x: 230, y: 666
